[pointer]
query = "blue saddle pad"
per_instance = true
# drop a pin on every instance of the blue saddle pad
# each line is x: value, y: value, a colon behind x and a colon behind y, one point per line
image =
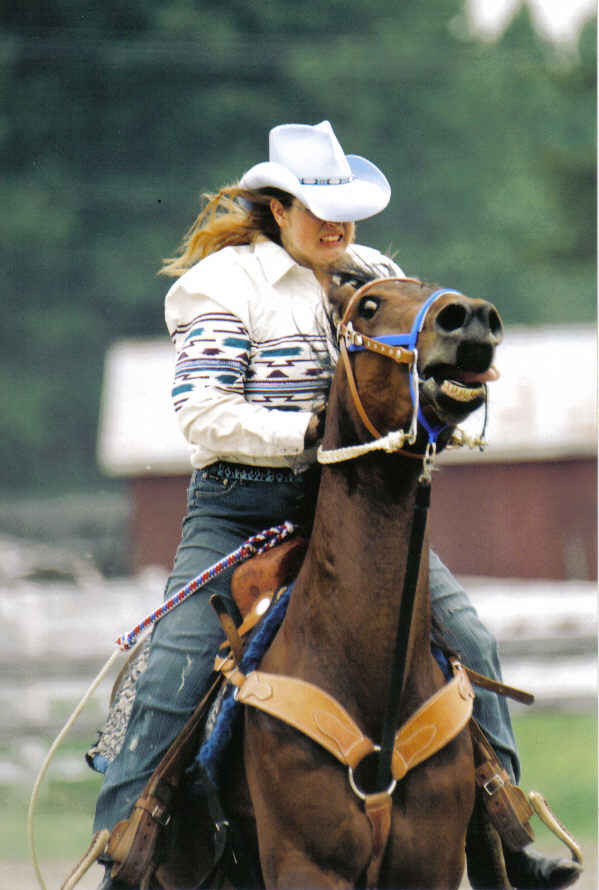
x: 213, y: 748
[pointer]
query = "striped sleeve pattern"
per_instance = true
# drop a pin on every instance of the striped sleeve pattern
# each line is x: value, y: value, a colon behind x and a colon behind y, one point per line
x: 214, y: 352
x: 286, y: 373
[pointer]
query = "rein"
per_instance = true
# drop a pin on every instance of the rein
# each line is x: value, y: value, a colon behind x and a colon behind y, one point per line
x: 384, y: 763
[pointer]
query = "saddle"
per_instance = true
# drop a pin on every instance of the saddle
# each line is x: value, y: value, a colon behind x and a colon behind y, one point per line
x: 137, y: 844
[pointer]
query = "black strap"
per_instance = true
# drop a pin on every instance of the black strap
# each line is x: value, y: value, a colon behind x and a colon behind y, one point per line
x: 232, y: 862
x: 421, y: 505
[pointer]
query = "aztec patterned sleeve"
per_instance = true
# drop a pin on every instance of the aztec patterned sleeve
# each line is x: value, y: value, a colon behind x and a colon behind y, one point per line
x: 212, y: 398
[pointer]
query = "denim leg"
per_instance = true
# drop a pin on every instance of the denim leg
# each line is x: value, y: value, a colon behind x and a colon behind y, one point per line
x: 466, y: 634
x: 221, y: 516
x: 183, y: 646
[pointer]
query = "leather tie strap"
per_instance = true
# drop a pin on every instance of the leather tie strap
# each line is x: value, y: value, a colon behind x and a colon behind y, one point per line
x: 505, y: 803
x: 378, y: 810
x: 526, y: 698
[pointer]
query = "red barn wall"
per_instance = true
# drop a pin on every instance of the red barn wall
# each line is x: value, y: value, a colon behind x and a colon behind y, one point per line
x: 157, y: 509
x: 521, y: 520
x: 533, y: 519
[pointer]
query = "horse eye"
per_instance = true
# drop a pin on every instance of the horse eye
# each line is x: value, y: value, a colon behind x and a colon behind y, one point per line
x: 368, y: 307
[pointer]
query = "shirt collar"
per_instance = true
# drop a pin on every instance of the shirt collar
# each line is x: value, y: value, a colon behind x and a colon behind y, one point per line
x: 274, y: 259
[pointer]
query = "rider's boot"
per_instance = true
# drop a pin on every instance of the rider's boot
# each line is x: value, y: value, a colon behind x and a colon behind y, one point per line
x: 493, y: 866
x: 528, y: 870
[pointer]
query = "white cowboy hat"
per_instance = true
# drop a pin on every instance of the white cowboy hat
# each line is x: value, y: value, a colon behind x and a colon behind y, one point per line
x: 309, y: 163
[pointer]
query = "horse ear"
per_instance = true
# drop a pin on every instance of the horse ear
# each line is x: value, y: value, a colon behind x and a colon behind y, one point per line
x: 338, y: 297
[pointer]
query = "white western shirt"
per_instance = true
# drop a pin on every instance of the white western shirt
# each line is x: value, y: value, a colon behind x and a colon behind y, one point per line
x: 249, y: 328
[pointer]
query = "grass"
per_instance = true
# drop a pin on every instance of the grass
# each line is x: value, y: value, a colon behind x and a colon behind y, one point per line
x: 558, y: 751
x: 559, y: 759
x: 63, y: 819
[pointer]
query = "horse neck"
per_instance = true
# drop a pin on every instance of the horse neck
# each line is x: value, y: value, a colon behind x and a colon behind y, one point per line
x: 348, y: 595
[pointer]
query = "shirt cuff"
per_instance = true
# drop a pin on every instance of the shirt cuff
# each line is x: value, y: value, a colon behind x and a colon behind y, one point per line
x: 289, y: 440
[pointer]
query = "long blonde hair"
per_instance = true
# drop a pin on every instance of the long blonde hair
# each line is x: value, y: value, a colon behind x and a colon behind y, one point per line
x: 231, y: 216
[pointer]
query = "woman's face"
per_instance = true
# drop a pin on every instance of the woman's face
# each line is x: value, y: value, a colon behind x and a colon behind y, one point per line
x: 309, y: 240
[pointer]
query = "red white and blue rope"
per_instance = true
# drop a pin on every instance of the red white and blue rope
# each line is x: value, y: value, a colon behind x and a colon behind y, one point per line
x: 259, y: 543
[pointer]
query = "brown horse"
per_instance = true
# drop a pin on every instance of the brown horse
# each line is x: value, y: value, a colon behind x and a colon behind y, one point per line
x: 297, y: 812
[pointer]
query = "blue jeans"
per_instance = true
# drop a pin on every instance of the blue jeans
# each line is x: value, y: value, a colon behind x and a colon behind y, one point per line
x: 464, y: 632
x: 221, y: 514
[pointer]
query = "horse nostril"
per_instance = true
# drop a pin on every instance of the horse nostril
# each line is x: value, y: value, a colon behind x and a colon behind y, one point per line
x: 495, y: 323
x: 452, y: 317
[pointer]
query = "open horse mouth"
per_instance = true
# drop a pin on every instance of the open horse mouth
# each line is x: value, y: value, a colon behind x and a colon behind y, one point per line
x: 453, y: 392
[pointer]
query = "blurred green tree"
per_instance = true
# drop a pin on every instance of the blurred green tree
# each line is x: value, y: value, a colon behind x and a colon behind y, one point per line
x: 117, y: 116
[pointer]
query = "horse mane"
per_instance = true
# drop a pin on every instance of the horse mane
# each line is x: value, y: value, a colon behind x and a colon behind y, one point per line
x: 358, y: 272
x: 355, y: 272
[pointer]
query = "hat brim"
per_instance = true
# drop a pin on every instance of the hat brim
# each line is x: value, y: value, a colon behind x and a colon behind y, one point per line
x: 366, y: 194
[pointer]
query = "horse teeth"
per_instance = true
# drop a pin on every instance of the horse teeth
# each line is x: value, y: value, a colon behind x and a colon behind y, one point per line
x: 459, y: 393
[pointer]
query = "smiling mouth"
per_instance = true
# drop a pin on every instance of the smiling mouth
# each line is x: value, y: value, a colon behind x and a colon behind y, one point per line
x: 331, y: 239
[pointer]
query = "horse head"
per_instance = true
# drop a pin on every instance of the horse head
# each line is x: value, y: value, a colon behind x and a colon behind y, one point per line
x: 412, y: 350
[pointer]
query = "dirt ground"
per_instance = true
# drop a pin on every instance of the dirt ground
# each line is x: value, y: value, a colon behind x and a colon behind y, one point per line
x: 21, y: 876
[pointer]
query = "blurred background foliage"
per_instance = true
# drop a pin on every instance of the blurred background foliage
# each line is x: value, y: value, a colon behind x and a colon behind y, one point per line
x: 118, y: 116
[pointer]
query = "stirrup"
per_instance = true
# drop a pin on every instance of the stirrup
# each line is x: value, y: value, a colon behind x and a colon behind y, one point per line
x: 546, y: 815
x: 97, y: 847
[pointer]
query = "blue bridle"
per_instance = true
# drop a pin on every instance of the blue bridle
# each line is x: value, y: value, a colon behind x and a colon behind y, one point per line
x: 410, y: 341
